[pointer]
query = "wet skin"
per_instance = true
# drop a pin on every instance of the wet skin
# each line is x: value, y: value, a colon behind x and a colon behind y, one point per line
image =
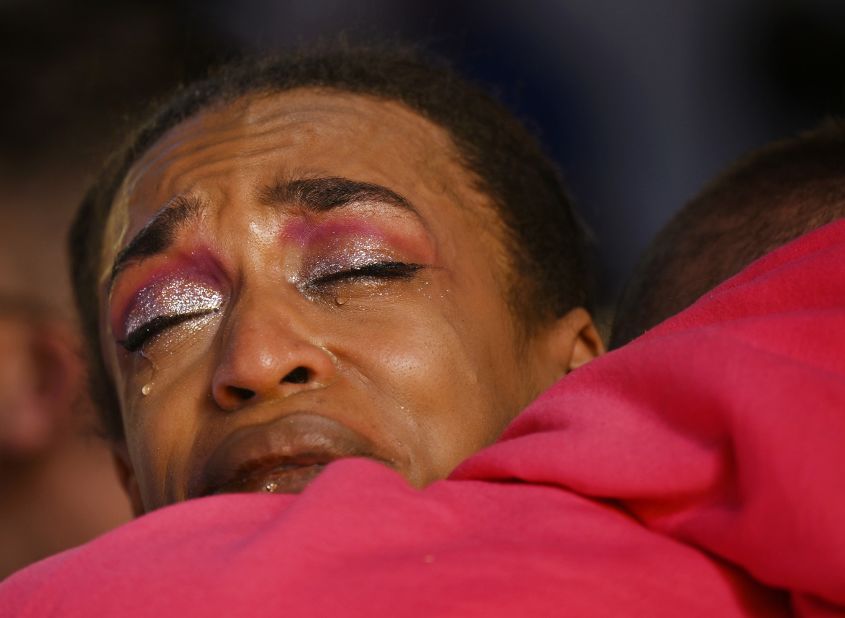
x: 320, y: 280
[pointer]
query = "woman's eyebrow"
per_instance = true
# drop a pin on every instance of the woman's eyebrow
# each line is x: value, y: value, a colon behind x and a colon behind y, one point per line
x: 322, y: 194
x: 316, y: 194
x: 159, y: 232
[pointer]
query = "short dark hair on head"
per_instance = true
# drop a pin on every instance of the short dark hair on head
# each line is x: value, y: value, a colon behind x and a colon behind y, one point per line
x: 769, y: 197
x: 546, y: 242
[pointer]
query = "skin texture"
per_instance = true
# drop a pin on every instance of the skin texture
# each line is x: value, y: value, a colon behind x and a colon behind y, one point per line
x: 300, y: 362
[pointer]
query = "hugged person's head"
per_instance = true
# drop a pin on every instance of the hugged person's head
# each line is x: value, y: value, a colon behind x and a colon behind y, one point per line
x: 340, y: 253
x: 766, y: 199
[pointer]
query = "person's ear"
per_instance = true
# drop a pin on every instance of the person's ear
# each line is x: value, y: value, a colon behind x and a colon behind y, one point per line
x: 587, y: 344
x: 40, y: 380
x: 126, y: 475
x: 570, y: 341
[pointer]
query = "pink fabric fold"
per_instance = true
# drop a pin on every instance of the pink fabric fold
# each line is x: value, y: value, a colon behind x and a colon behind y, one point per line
x: 361, y: 542
x: 723, y: 427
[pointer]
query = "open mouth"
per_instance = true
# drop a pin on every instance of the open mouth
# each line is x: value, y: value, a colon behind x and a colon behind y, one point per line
x: 281, y: 476
x: 281, y: 456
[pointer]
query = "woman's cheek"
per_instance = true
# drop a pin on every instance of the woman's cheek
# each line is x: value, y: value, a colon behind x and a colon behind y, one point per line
x: 164, y: 426
x: 172, y: 367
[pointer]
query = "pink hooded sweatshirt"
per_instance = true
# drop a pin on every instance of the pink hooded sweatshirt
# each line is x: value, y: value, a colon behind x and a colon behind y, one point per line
x: 698, y: 471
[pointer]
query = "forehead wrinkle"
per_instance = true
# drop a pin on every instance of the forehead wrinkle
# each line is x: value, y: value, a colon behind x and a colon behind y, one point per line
x: 253, y: 117
x: 434, y: 157
x: 181, y: 159
x: 266, y: 115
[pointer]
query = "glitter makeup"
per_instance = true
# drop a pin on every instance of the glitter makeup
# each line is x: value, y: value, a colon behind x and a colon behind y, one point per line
x: 355, y: 254
x: 166, y: 303
x: 362, y: 261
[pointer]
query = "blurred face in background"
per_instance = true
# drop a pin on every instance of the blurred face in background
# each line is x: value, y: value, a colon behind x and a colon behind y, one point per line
x: 301, y: 277
x: 57, y: 486
x: 40, y: 377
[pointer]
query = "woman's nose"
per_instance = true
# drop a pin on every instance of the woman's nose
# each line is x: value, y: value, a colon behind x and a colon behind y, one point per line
x: 266, y: 356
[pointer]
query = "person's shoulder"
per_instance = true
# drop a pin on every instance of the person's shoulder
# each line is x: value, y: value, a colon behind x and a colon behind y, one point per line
x: 21, y: 594
x: 102, y: 570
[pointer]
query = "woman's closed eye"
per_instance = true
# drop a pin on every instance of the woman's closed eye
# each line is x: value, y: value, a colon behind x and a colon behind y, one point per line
x: 136, y: 339
x: 373, y: 271
x: 163, y: 306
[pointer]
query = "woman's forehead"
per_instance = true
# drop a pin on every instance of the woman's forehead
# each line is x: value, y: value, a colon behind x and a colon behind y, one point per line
x: 304, y: 132
x: 302, y: 117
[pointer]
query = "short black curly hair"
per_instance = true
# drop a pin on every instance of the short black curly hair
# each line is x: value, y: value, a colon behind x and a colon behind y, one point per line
x: 546, y: 240
x: 764, y: 200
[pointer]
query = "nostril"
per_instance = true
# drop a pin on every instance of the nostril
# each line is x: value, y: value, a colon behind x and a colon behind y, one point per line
x: 300, y: 375
x: 240, y: 394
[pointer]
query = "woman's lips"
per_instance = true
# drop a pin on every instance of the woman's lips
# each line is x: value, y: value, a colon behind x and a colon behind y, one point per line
x: 281, y: 456
x: 286, y: 478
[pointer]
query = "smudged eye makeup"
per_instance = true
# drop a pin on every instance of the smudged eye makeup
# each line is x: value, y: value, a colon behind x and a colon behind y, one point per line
x: 374, y: 270
x: 325, y: 262
x: 173, y: 302
x: 359, y: 261
x: 165, y: 304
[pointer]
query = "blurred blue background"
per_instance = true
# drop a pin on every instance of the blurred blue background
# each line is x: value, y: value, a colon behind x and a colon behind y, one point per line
x: 640, y: 102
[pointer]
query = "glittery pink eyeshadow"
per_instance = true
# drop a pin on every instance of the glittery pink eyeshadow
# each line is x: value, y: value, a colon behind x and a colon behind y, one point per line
x: 170, y: 297
x: 355, y: 254
x: 304, y: 232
